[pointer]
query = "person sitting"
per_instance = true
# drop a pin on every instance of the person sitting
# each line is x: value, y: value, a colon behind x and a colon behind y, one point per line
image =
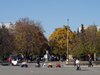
x: 50, y: 65
x: 58, y: 65
x: 24, y: 64
x: 14, y: 62
x: 10, y: 60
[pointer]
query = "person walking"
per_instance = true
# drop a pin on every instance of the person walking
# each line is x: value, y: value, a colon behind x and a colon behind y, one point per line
x: 38, y: 62
x: 45, y: 60
x: 78, y: 64
x: 44, y: 63
x: 90, y: 62
x: 74, y: 61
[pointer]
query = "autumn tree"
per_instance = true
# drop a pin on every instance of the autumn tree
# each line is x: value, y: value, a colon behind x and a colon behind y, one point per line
x: 29, y: 37
x: 58, y: 40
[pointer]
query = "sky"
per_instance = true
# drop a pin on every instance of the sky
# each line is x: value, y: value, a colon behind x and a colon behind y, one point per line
x: 52, y: 14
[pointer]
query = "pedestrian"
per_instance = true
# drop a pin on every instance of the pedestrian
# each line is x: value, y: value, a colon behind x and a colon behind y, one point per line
x: 45, y: 60
x: 50, y: 65
x: 78, y: 64
x: 38, y: 62
x: 44, y: 63
x: 74, y: 61
x: 90, y: 62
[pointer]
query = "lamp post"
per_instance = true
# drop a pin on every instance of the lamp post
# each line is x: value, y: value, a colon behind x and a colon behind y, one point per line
x: 67, y: 44
x: 67, y: 61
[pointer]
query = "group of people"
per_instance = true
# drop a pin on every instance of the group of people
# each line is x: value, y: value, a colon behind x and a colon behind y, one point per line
x: 46, y: 63
x: 14, y: 62
x: 77, y: 63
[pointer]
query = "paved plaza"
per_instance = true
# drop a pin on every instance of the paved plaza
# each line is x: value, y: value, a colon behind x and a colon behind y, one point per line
x: 64, y: 70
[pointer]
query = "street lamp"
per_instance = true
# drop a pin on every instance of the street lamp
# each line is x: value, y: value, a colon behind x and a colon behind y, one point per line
x: 67, y: 61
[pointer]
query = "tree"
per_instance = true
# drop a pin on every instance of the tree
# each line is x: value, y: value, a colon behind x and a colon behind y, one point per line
x: 97, y: 48
x: 86, y: 42
x: 6, y: 42
x: 58, y: 40
x: 91, y: 38
x: 29, y: 37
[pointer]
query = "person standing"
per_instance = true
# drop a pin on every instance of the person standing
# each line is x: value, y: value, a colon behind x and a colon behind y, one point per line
x: 77, y: 64
x: 90, y: 60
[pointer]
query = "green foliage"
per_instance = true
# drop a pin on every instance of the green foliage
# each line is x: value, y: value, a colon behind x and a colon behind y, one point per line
x: 26, y: 37
x: 6, y: 42
x: 82, y: 43
x: 87, y: 41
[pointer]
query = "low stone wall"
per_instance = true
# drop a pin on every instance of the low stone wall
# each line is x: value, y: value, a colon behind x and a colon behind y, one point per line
x: 4, y: 63
x: 96, y: 62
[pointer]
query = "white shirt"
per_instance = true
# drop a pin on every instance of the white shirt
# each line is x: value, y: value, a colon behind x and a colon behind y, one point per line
x: 23, y: 63
x: 14, y: 62
x: 77, y: 61
x: 45, y: 56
